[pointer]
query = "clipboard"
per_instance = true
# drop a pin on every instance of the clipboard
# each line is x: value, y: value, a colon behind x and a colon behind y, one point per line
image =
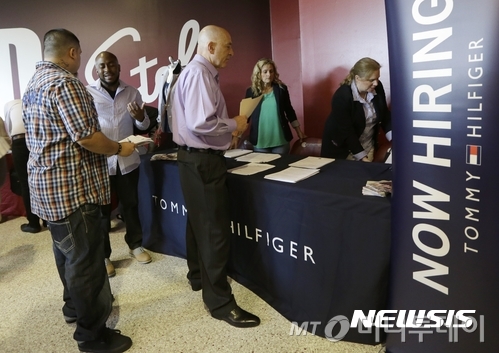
x: 248, y: 105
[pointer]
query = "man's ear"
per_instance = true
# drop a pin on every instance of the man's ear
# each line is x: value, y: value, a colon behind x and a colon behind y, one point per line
x: 211, y: 47
x: 72, y: 53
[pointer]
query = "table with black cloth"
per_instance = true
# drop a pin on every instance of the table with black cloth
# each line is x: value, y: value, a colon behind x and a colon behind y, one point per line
x: 312, y: 250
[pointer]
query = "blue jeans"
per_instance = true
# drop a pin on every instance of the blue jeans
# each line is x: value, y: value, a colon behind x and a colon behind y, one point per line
x: 78, y: 244
x: 284, y: 149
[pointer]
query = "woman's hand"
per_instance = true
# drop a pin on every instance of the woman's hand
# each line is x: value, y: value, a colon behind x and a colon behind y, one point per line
x: 300, y: 133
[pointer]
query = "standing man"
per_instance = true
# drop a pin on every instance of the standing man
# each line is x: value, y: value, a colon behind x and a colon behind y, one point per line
x: 20, y: 154
x: 120, y: 107
x: 68, y: 182
x: 202, y: 129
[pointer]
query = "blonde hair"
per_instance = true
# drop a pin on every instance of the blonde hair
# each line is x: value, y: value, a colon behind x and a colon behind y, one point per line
x: 363, y: 68
x: 256, y: 77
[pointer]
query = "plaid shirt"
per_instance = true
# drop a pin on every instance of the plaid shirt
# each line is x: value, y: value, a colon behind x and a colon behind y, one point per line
x: 57, y: 112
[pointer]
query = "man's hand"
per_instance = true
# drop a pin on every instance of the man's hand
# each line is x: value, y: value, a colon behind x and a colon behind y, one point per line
x: 242, y: 125
x: 127, y: 149
x: 135, y: 111
x: 234, y: 143
x: 99, y: 143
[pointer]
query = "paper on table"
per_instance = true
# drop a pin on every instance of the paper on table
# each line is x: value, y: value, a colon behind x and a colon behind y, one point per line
x: 257, y: 157
x: 250, y: 168
x: 389, y: 158
x: 312, y: 162
x: 247, y: 105
x: 4, y: 147
x: 138, y: 140
x: 236, y: 153
x: 292, y: 174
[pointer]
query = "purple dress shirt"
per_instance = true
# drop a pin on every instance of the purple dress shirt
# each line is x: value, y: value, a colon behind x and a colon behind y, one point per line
x: 200, y: 118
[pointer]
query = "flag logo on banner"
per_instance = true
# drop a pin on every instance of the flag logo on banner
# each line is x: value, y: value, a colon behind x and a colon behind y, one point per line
x: 474, y: 154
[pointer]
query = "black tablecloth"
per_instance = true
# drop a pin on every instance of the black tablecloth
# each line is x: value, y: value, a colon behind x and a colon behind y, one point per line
x: 313, y: 250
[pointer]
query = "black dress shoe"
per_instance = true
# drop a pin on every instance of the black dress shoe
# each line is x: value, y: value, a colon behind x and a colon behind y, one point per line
x: 30, y: 229
x: 240, y: 318
x: 196, y: 286
x: 69, y: 319
x: 112, y: 341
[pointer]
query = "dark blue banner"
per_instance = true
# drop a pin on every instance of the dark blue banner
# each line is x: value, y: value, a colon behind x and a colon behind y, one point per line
x: 444, y: 77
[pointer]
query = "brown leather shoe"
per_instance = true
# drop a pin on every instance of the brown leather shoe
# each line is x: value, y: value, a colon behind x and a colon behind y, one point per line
x: 240, y: 318
x: 140, y: 255
x: 111, y: 272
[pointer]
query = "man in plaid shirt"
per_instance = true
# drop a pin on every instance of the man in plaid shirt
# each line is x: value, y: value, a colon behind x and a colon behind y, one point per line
x: 68, y: 180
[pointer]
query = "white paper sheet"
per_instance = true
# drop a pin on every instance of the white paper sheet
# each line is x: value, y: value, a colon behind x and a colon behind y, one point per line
x: 138, y: 140
x: 312, y: 162
x: 292, y: 174
x: 236, y: 153
x: 4, y: 146
x: 257, y: 157
x: 250, y: 168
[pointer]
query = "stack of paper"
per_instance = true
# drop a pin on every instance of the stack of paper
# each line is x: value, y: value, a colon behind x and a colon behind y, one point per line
x: 312, y: 162
x: 4, y: 146
x: 256, y: 157
x: 236, y: 153
x: 292, y: 174
x: 138, y: 140
x: 250, y: 168
x: 377, y: 188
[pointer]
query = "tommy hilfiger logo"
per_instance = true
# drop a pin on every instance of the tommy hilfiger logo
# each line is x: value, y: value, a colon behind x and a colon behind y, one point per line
x: 474, y: 154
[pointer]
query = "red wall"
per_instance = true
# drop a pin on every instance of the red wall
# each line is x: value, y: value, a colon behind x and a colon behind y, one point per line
x: 156, y: 27
x: 315, y: 43
x: 286, y: 48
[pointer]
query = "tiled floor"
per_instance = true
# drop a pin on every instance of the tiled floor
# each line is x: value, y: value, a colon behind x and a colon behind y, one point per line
x: 154, y: 306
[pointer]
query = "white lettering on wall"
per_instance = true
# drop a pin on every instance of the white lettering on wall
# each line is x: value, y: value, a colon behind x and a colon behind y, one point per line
x: 21, y: 48
x: 128, y: 31
x: 23, y: 45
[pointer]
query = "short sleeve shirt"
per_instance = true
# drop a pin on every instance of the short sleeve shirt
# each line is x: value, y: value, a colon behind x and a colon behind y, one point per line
x: 57, y: 112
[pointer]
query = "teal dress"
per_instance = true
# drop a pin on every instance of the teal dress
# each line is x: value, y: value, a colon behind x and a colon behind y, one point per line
x: 270, y: 133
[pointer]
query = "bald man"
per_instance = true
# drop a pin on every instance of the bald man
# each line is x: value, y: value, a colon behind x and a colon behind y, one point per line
x: 68, y: 181
x: 203, y: 131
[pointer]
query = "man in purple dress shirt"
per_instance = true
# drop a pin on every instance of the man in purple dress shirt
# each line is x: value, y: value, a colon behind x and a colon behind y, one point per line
x: 203, y: 130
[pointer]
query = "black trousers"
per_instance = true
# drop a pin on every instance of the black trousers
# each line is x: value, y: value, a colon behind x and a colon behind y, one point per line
x: 203, y: 181
x: 20, y: 155
x: 126, y: 188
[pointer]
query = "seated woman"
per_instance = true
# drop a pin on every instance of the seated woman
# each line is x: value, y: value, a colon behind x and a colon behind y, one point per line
x: 358, y: 108
x: 269, y: 131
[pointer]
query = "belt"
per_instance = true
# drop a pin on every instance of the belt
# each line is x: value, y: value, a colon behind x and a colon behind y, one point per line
x: 202, y: 150
x: 18, y: 136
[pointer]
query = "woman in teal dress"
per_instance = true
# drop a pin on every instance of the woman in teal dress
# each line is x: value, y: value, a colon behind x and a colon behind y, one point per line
x: 270, y: 131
